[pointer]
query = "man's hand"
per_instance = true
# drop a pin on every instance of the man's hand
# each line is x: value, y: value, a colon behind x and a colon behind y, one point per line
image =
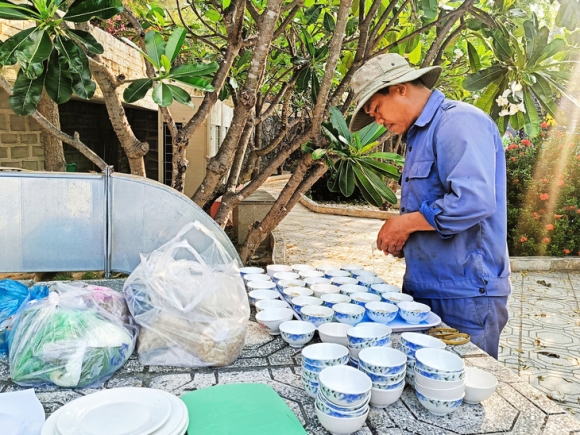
x: 396, y: 230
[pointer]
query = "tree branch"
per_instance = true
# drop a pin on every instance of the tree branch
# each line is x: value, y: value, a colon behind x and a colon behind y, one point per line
x: 378, y: 34
x: 439, y: 59
x: 295, y: 8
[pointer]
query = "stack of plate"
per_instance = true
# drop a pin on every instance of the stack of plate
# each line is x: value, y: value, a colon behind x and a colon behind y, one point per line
x: 120, y: 411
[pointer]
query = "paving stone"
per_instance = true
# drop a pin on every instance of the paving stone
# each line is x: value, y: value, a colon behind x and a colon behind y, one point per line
x: 530, y: 419
x: 244, y: 376
x: 561, y: 424
x: 533, y: 396
x: 287, y: 376
x: 115, y: 382
x: 170, y: 383
x: 201, y: 380
x: 493, y: 366
x: 132, y: 366
x: 256, y: 336
x: 249, y: 362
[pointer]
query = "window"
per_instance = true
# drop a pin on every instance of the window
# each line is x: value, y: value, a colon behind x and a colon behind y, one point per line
x: 168, y: 153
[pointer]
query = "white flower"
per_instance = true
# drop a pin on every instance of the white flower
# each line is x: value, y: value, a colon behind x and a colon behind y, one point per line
x: 502, y: 101
x: 342, y: 139
x: 504, y: 112
x: 458, y: 53
x: 513, y: 109
x: 521, y: 107
x: 516, y: 87
x: 506, y: 93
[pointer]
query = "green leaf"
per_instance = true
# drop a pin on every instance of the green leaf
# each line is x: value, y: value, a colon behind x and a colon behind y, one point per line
x: 26, y: 94
x: 501, y: 45
x: 155, y: 46
x: 474, y: 61
x: 387, y: 156
x: 197, y: 82
x: 517, y: 121
x: 561, y: 89
x: 10, y: 11
x: 136, y: 47
x: 378, y: 183
x: 311, y: 14
x: 83, y: 10
x: 86, y: 39
x: 212, y: 15
x: 162, y: 95
x: 370, y: 133
x: 486, y: 100
x: 193, y: 70
x: 555, y: 46
x: 383, y: 168
x: 474, y: 24
x: 137, y: 90
x: 480, y: 79
x: 315, y: 86
x: 333, y: 182
x: 226, y: 4
x: 540, y: 43
x: 175, y: 43
x: 180, y: 95
x: 542, y: 86
x: 530, y: 37
x: 318, y: 154
x: 415, y: 55
x: 13, y: 44
x: 368, y: 191
x: 328, y: 22
x: 351, y: 26
x: 320, y: 53
x: 82, y: 84
x: 531, y: 118
x: 303, y: 79
x: 35, y: 49
x: 339, y: 124
x: 165, y: 63
x: 71, y: 54
x: 308, y: 43
x: 244, y: 58
x: 346, y: 179
x: 430, y: 8
x: 58, y: 80
x: 548, y: 104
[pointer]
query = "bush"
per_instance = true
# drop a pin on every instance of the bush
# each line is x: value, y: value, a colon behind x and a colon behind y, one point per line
x: 543, y: 181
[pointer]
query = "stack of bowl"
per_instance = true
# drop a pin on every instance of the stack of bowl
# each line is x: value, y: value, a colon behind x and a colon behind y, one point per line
x: 410, y: 343
x: 439, y: 380
x: 367, y: 335
x: 342, y: 403
x: 317, y: 357
x: 386, y: 367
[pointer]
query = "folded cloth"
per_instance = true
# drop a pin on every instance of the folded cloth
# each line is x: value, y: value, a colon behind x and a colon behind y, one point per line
x: 21, y: 413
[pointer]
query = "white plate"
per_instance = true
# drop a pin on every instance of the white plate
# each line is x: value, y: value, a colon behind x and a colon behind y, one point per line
x: 10, y: 424
x: 118, y: 411
x: 398, y: 324
x: 175, y: 425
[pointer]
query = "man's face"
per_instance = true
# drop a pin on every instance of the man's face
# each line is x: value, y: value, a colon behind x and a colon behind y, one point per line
x: 391, y: 109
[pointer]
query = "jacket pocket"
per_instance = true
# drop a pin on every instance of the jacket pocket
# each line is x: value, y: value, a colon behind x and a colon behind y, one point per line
x: 421, y: 169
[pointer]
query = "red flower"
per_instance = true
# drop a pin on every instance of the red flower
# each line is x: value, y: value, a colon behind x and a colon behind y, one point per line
x: 566, y: 251
x: 526, y: 142
x: 571, y: 207
x: 544, y: 180
x: 545, y: 240
x: 549, y: 227
x: 544, y: 196
x: 536, y: 215
x: 516, y: 181
x: 513, y: 159
x: 512, y: 147
x: 558, y: 216
x: 578, y: 157
x: 544, y: 125
x: 561, y: 183
x: 522, y: 154
x: 578, y: 211
x: 523, y: 239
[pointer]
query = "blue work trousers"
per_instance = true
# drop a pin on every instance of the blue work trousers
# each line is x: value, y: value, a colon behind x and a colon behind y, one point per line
x: 482, y: 317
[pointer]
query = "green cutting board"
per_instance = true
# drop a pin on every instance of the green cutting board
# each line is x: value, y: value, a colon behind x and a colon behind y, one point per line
x: 240, y: 409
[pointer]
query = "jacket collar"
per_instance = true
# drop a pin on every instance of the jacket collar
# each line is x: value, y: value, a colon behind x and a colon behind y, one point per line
x: 433, y: 103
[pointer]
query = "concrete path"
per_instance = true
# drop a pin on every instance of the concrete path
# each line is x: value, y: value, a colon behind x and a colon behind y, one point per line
x: 542, y: 339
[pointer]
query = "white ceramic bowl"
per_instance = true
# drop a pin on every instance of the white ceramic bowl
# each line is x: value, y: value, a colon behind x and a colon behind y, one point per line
x: 369, y: 280
x: 317, y: 314
x: 337, y: 272
x: 334, y: 410
x: 413, y: 312
x: 384, y: 398
x: 340, y: 426
x: 271, y: 303
x: 368, y: 335
x: 438, y: 407
x: 363, y: 298
x: 258, y: 295
x: 342, y: 280
x: 396, y: 298
x: 285, y: 283
x: 479, y: 385
x: 316, y: 280
x: 351, y: 267
x: 344, y: 385
x: 363, y: 272
x: 348, y: 313
x: 299, y: 267
x: 273, y: 317
x: 311, y: 274
x: 434, y: 383
x: 284, y: 276
x: 382, y: 360
x: 274, y: 268
x: 325, y: 267
x: 303, y: 301
x: 457, y: 376
x: 415, y: 341
x: 383, y: 379
x: 349, y: 289
x: 297, y: 332
x: 310, y: 387
x: 379, y: 289
x: 439, y: 361
x: 251, y: 270
x: 334, y: 332
x: 354, y: 353
x: 335, y: 298
x: 256, y: 277
x: 381, y: 312
x: 324, y: 289
x: 452, y: 393
x: 261, y: 285
x: 293, y: 292
x: 324, y: 355
x: 309, y: 375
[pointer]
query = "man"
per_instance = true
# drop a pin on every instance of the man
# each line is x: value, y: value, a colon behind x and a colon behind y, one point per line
x: 453, y: 224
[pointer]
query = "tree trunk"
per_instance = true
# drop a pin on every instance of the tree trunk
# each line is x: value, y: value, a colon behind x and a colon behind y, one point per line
x: 53, y: 151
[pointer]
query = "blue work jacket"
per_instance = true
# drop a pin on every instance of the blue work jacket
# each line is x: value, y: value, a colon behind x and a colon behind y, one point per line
x: 455, y: 175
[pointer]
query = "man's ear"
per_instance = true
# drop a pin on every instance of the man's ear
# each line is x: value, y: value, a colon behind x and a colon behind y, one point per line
x: 402, y: 89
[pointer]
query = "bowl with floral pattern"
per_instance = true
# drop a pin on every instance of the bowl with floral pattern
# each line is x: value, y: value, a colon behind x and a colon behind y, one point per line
x: 363, y: 272
x: 363, y: 298
x: 415, y: 341
x: 382, y: 360
x: 317, y: 314
x: 303, y: 301
x: 324, y: 289
x: 270, y: 303
x: 275, y: 268
x: 324, y: 354
x: 285, y: 283
x: 310, y: 387
x: 351, y: 267
x: 300, y: 267
x: 413, y: 312
x: 439, y: 361
x: 387, y: 386
x: 256, y: 277
x: 396, y: 298
x: 368, y: 335
x: 316, y: 280
x: 348, y: 411
x: 283, y: 276
x: 369, y: 280
x: 341, y: 426
x: 251, y: 270
x: 381, y: 288
x: 337, y: 272
x: 350, y: 289
x: 297, y: 332
x: 381, y: 312
x: 342, y: 280
x: 437, y: 406
x: 290, y: 293
x: 384, y: 398
x: 344, y: 385
x: 441, y: 376
x: 350, y: 314
x: 309, y: 375
x: 385, y: 379
x: 259, y: 295
x: 329, y: 300
x: 311, y: 274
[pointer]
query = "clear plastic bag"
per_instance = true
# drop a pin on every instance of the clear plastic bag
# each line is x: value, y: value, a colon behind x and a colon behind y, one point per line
x: 68, y: 340
x: 191, y: 306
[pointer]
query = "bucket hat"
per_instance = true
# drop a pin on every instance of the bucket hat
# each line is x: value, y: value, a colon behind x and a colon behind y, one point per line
x: 380, y: 72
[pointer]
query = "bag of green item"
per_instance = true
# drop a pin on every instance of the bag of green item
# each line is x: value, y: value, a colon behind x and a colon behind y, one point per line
x: 68, y: 341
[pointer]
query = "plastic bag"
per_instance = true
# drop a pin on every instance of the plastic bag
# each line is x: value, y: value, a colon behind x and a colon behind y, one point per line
x: 192, y: 306
x: 68, y: 340
x: 12, y: 295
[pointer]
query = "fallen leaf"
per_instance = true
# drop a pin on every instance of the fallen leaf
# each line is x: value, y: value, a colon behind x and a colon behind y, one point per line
x: 518, y: 350
x: 549, y: 354
x: 568, y: 380
x: 557, y: 395
x: 541, y: 378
